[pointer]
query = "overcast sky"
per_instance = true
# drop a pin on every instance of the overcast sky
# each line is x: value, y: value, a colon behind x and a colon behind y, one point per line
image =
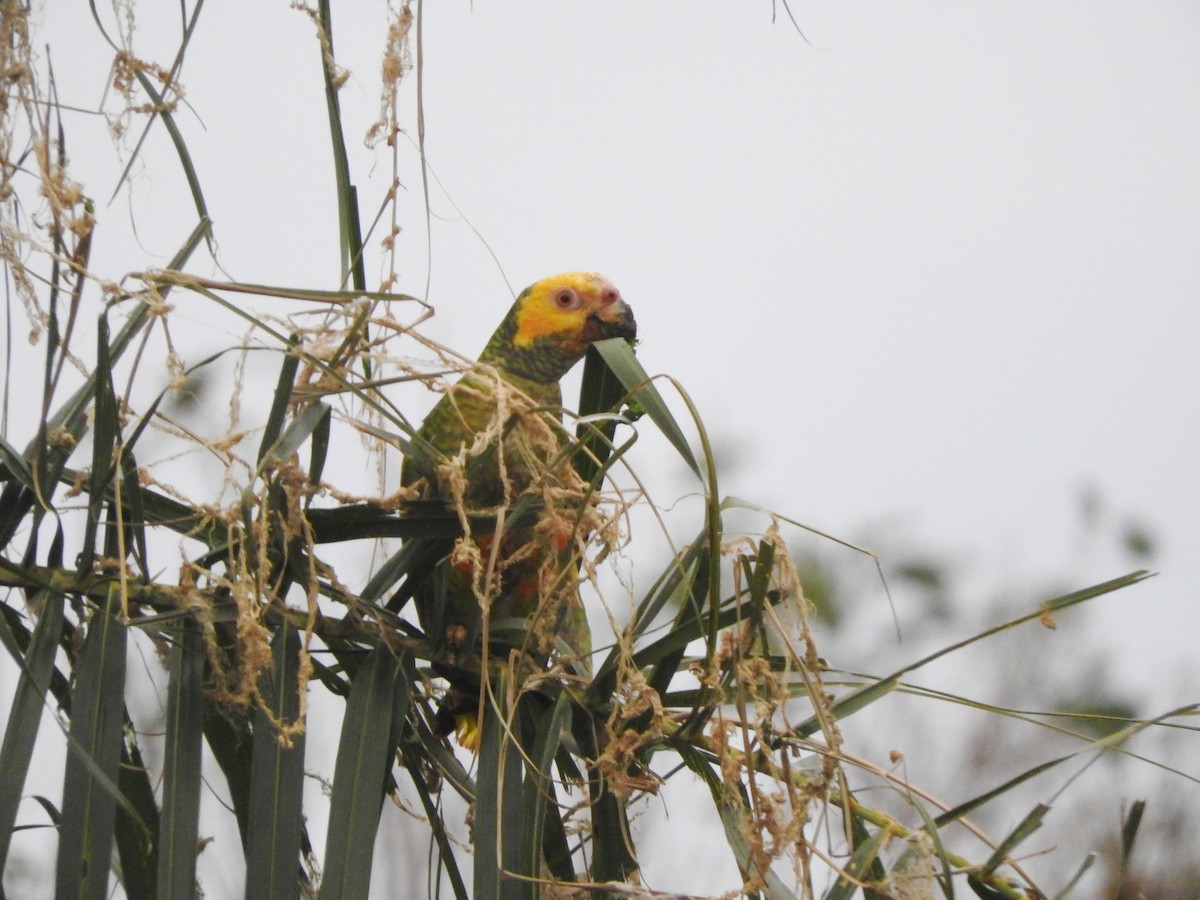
x: 931, y: 272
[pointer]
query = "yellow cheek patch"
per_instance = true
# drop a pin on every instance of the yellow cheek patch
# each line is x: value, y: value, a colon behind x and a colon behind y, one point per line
x: 539, y: 316
x: 536, y: 320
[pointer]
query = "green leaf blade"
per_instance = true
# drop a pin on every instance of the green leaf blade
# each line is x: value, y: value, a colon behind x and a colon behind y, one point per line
x: 180, y: 821
x: 25, y: 714
x: 276, y: 780
x: 360, y: 773
x: 90, y: 779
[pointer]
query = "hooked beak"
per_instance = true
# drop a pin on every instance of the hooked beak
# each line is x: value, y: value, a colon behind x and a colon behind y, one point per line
x: 615, y: 319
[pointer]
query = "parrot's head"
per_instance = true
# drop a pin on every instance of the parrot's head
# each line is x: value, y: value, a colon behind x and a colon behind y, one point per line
x: 554, y: 321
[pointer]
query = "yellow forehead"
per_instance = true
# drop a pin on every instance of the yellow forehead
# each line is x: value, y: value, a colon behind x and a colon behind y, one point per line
x: 539, y: 316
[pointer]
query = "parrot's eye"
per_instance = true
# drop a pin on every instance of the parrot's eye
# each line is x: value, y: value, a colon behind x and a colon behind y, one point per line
x: 566, y: 300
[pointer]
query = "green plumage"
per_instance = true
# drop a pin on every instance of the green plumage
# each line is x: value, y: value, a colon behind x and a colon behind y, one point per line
x: 468, y: 409
x: 495, y: 440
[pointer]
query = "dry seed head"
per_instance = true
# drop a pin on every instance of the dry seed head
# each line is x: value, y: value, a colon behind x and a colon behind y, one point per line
x: 396, y: 63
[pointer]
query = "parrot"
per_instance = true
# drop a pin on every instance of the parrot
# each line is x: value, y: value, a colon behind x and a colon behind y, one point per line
x: 494, y: 438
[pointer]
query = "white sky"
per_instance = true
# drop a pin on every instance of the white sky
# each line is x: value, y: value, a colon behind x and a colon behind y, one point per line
x: 933, y: 274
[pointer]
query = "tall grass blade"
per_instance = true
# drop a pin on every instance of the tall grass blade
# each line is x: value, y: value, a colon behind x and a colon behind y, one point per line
x: 969, y: 806
x: 543, y: 737
x: 15, y: 466
x: 179, y: 825
x: 1129, y: 831
x: 106, y: 431
x: 350, y: 229
x: 25, y: 714
x: 135, y: 513
x: 320, y: 447
x: 89, y: 791
x: 299, y: 430
x: 488, y: 812
x: 276, y: 779
x: 1031, y: 823
x: 137, y: 821
x: 600, y: 392
x: 863, y: 865
x: 364, y: 761
x: 280, y: 401
x: 619, y: 357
